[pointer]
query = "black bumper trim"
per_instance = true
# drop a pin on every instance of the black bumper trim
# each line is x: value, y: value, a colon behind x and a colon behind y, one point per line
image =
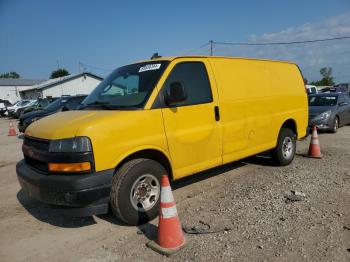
x: 84, y: 194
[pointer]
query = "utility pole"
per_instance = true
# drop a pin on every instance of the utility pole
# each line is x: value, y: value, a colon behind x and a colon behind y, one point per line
x: 211, y: 47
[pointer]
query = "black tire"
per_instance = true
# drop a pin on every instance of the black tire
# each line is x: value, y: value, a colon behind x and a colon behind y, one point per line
x: 123, y: 180
x: 280, y: 155
x: 335, y: 125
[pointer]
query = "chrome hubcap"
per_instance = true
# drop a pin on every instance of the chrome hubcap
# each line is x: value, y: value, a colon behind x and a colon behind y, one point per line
x: 145, y: 193
x: 287, y: 147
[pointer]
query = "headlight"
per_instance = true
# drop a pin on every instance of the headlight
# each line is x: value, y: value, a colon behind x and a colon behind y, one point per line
x: 323, y: 116
x: 76, y: 144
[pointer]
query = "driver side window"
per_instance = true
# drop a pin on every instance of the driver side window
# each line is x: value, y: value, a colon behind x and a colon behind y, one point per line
x: 195, y: 79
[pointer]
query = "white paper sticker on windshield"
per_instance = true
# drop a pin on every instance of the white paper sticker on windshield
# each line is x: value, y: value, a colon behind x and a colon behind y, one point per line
x: 149, y: 67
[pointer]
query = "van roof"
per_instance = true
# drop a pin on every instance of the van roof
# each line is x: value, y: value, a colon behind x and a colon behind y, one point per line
x: 171, y: 58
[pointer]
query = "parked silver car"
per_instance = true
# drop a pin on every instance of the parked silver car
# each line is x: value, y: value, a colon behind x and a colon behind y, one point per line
x: 329, y: 111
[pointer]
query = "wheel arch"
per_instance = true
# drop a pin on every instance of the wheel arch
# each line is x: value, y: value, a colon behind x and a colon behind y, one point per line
x: 155, y: 154
x: 291, y: 124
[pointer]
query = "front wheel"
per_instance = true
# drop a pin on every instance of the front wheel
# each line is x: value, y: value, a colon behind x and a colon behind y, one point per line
x: 335, y: 125
x: 283, y: 154
x: 135, y: 192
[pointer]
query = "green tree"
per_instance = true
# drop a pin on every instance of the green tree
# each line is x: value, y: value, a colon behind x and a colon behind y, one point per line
x: 10, y: 75
x: 327, y: 78
x: 59, y: 73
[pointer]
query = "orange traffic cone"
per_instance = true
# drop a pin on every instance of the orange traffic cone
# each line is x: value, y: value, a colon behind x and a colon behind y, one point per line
x: 12, y: 130
x: 314, y: 148
x: 170, y: 235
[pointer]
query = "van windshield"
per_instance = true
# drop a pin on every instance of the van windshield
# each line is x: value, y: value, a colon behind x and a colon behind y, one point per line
x: 128, y: 87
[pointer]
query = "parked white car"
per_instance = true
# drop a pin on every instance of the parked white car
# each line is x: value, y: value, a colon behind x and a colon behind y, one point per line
x: 12, y: 110
x: 2, y: 109
x: 311, y: 90
x: 4, y: 104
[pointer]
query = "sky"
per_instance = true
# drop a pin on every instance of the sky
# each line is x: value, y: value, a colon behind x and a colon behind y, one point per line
x: 38, y: 36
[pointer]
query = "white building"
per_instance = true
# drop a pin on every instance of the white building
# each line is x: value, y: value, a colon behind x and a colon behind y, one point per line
x: 79, y: 84
x: 10, y: 88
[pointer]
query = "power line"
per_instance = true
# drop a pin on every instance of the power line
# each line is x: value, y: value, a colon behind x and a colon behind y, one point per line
x: 195, y: 49
x: 284, y: 43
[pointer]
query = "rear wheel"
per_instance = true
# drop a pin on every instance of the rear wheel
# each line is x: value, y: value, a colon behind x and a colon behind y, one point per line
x: 283, y: 154
x: 135, y: 191
x: 335, y: 125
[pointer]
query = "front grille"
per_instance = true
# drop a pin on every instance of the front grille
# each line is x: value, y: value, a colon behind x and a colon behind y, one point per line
x: 40, y: 144
x: 39, y: 165
x: 35, y: 144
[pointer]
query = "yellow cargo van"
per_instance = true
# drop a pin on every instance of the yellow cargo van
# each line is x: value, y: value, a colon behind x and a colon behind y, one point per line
x: 176, y: 116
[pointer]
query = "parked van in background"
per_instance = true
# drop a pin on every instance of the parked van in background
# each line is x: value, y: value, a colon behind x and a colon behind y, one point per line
x: 176, y: 116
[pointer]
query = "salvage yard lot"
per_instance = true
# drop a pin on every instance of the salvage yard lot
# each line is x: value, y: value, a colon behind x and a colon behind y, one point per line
x: 243, y: 203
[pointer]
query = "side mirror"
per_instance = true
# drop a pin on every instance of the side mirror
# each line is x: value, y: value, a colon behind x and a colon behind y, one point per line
x: 176, y: 93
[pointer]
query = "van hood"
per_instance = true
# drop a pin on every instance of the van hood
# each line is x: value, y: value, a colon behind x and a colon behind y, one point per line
x: 71, y: 123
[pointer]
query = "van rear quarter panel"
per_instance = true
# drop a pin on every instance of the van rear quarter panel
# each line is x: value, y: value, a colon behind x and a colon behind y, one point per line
x: 256, y: 98
x: 288, y: 86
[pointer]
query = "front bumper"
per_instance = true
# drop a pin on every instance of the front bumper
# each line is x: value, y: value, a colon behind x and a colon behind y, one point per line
x: 74, y: 195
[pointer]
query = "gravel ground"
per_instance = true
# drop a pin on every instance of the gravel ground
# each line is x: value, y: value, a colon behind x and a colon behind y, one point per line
x: 243, y: 205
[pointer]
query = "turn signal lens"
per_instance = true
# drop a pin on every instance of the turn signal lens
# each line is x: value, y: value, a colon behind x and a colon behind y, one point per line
x: 69, y: 167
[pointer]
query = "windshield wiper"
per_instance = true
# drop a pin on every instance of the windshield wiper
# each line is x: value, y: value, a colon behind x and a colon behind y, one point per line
x: 97, y: 103
x: 109, y: 106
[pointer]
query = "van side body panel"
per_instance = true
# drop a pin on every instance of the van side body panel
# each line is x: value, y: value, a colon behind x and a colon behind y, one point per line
x: 256, y: 98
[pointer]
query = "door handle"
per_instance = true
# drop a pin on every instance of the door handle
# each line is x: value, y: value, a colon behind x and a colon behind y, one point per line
x: 217, y: 113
